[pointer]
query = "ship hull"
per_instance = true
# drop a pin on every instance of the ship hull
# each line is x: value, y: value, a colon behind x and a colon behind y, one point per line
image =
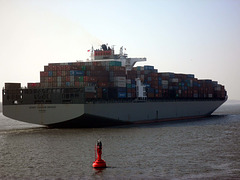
x: 109, y: 114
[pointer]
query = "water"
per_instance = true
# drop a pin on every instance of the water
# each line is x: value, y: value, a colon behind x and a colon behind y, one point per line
x: 201, y: 149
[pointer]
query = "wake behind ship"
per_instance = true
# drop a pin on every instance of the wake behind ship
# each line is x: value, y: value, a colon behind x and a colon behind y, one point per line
x: 108, y: 90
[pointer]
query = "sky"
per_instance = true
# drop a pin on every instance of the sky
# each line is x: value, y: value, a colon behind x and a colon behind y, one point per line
x: 181, y: 36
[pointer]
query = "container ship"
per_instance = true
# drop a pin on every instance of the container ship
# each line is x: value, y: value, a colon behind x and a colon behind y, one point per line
x: 110, y: 90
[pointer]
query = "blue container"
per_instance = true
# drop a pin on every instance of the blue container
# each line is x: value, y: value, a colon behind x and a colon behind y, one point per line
x: 159, y: 83
x: 133, y: 85
x: 171, y: 75
x: 76, y: 73
x: 191, y: 76
x: 121, y: 94
x: 50, y: 73
x: 208, y: 81
x: 148, y: 67
x: 67, y: 84
x: 72, y: 73
x: 195, y: 84
x: 175, y: 87
x: 150, y: 90
x: 121, y: 89
x: 129, y: 95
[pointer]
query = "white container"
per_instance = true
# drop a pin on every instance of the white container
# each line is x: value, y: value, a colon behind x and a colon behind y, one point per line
x: 164, y: 82
x: 71, y: 78
x: 174, y: 80
x: 59, y: 79
x: 119, y: 84
x: 120, y: 79
x: 128, y: 81
x: 218, y: 88
x: 90, y: 89
x: 59, y: 84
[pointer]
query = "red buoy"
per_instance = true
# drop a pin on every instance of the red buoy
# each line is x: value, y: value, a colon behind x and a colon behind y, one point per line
x: 99, y: 162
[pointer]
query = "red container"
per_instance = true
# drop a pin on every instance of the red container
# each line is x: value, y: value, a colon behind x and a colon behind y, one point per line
x: 54, y: 73
x: 46, y: 68
x: 63, y: 68
x: 59, y: 73
x: 50, y: 79
x: 67, y: 78
x: 90, y: 95
x: 33, y: 85
x: 102, y: 84
x: 67, y: 67
x: 99, y: 93
x: 43, y: 74
x: 54, y: 68
x: 63, y: 84
x: 133, y: 94
x: 150, y: 95
x: 50, y: 68
x: 59, y: 67
x: 65, y: 73
x: 54, y: 79
x: 77, y: 84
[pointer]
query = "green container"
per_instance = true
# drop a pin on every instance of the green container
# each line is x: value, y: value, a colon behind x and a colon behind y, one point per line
x: 81, y: 78
x: 115, y: 63
x: 129, y: 85
x: 83, y: 68
x: 112, y: 63
x: 119, y: 63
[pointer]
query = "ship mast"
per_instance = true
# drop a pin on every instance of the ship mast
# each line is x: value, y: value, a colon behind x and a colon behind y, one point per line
x: 92, y: 54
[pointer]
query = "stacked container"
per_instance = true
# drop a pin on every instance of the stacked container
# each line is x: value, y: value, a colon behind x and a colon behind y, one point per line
x: 110, y: 80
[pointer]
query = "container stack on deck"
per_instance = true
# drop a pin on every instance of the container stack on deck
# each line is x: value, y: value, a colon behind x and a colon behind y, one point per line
x: 109, y: 80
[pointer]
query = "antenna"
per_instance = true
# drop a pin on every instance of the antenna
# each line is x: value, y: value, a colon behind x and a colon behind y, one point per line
x: 121, y: 51
x: 92, y: 53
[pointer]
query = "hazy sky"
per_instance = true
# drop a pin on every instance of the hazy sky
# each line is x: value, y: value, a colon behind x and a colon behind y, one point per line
x: 182, y: 36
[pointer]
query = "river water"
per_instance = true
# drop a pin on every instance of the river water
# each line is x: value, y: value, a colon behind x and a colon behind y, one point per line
x: 207, y: 148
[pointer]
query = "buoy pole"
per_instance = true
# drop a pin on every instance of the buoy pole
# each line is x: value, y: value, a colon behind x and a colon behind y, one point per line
x: 99, y: 162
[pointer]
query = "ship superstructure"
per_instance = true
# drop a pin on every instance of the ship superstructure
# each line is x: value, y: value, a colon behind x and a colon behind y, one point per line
x: 109, y: 90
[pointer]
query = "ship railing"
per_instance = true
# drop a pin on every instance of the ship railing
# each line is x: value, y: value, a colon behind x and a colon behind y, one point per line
x: 152, y: 100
